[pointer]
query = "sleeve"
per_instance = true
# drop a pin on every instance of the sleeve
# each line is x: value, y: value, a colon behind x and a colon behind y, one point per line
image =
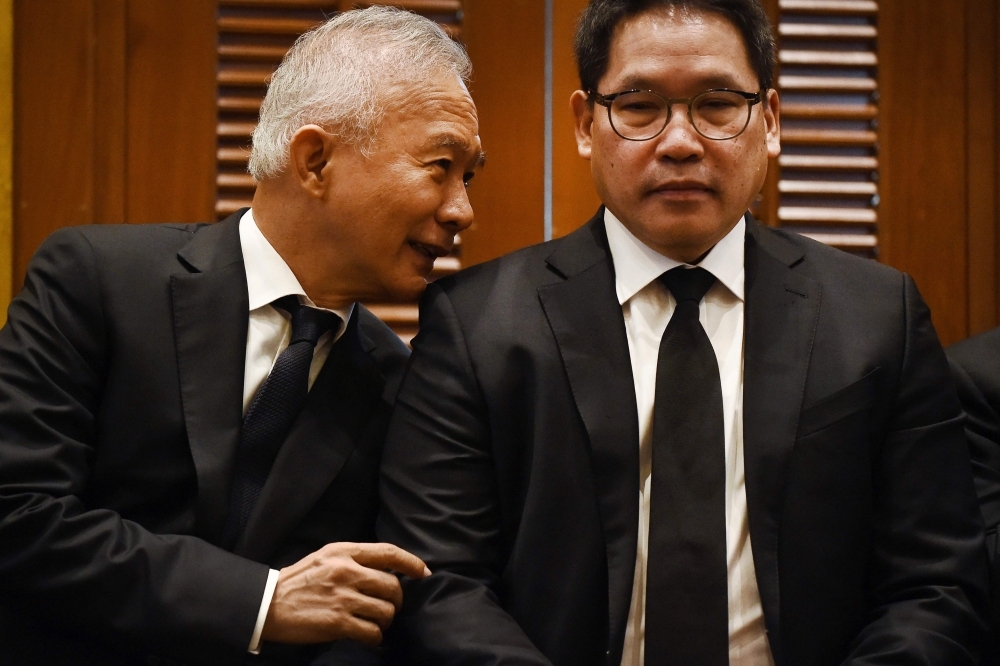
x: 928, y: 590
x: 440, y: 501
x: 982, y: 431
x: 81, y: 568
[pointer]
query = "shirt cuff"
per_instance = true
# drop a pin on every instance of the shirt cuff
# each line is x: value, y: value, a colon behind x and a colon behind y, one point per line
x: 265, y: 603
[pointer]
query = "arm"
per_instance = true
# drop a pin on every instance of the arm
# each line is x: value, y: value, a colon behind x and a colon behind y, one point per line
x: 928, y: 585
x: 111, y: 579
x: 441, y: 501
x: 89, y: 569
x: 982, y: 431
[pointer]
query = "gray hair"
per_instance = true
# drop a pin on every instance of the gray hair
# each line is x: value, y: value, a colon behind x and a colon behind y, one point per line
x: 340, y: 76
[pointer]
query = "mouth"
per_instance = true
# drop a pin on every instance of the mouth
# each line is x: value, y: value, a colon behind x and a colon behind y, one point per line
x: 430, y: 252
x: 682, y: 189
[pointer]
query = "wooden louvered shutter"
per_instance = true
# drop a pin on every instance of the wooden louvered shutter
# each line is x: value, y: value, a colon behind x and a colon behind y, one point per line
x: 827, y: 177
x: 253, y: 38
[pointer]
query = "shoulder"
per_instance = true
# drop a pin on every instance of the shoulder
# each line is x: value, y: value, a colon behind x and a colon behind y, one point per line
x: 509, y: 280
x: 978, y: 358
x: 870, y: 290
x: 826, y: 261
x: 112, y: 245
x: 385, y: 348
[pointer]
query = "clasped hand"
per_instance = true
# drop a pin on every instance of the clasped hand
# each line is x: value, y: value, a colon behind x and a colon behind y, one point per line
x: 343, y: 590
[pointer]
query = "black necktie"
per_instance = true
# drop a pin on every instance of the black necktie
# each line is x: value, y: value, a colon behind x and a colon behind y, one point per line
x: 272, y: 411
x: 687, y: 592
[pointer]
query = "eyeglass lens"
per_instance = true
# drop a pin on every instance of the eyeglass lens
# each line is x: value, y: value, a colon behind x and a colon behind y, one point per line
x: 716, y: 114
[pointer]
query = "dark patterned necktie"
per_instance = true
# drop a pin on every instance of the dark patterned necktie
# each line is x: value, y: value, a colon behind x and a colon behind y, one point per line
x: 687, y: 591
x: 272, y: 411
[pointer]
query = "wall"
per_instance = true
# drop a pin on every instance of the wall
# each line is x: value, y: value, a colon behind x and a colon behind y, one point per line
x: 114, y: 109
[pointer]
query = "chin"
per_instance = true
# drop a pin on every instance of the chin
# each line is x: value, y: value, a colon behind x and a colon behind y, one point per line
x: 406, y: 290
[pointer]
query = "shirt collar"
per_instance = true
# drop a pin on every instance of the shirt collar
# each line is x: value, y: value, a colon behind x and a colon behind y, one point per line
x: 637, y: 265
x: 268, y: 276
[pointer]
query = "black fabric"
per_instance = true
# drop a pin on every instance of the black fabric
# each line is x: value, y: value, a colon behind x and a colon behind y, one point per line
x: 687, y: 611
x: 121, y: 399
x: 512, y: 464
x: 975, y: 365
x: 272, y: 411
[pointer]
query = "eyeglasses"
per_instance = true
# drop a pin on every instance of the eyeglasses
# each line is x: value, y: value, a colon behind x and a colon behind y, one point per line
x: 641, y: 115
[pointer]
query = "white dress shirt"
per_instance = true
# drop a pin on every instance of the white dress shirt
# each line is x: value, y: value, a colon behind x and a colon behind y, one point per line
x: 647, y: 307
x: 268, y: 333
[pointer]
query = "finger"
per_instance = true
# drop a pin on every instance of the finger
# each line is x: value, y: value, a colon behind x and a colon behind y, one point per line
x: 387, y: 556
x: 374, y: 610
x: 362, y: 631
x: 382, y: 585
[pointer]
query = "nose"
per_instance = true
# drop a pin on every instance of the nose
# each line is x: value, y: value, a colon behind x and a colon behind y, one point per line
x: 679, y: 140
x: 456, y: 211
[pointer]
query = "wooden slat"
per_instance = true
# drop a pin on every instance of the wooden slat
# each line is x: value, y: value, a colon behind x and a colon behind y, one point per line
x: 245, y: 104
x: 255, y: 77
x: 264, y: 25
x: 232, y: 155
x: 822, y: 137
x: 830, y: 7
x: 226, y: 207
x: 266, y: 52
x: 803, y: 214
x: 831, y: 188
x: 446, y: 266
x: 230, y: 130
x: 242, y: 181
x: 829, y: 111
x: 393, y: 313
x: 827, y: 83
x: 827, y: 31
x: 828, y: 163
x: 426, y: 6
x: 846, y: 241
x: 833, y: 58
x: 419, y: 6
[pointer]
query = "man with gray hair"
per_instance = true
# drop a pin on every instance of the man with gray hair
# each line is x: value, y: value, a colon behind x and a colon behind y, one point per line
x: 192, y: 416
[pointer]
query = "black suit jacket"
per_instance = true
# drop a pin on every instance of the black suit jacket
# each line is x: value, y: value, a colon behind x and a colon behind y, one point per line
x: 121, y: 390
x: 975, y: 364
x: 512, y: 463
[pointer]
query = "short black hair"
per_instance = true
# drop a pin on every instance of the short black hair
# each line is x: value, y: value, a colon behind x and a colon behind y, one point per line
x: 598, y: 22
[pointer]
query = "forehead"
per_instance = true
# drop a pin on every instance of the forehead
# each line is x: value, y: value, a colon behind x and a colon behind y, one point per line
x: 441, y: 97
x: 678, y: 47
x: 435, y: 112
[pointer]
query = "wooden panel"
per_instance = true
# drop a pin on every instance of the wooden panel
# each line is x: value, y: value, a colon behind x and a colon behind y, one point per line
x: 54, y: 117
x: 923, y: 169
x: 981, y: 68
x: 574, y: 199
x: 110, y: 130
x: 828, y: 183
x: 506, y: 43
x: 6, y: 152
x: 171, y: 131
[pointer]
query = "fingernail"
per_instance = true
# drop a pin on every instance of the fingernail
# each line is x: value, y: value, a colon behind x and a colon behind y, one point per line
x: 427, y: 572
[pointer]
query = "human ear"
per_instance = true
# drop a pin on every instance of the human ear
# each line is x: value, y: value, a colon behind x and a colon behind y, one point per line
x: 772, y: 123
x: 309, y: 152
x: 583, y: 122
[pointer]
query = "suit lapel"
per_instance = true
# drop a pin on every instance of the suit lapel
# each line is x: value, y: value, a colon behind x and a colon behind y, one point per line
x: 321, y: 440
x: 587, y: 323
x: 210, y: 314
x: 782, y: 308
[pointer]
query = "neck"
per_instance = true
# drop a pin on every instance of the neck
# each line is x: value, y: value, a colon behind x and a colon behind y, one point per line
x: 291, y: 230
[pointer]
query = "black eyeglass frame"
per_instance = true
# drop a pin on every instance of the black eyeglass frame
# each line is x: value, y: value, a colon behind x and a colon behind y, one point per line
x: 607, y: 100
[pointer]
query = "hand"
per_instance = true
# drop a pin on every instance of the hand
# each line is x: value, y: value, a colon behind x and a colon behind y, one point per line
x: 343, y: 590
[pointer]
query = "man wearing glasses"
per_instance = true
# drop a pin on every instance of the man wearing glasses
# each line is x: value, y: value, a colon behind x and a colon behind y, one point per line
x: 675, y: 437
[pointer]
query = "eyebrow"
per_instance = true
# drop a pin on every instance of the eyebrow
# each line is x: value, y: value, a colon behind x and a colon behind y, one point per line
x: 452, y: 141
x: 642, y: 83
